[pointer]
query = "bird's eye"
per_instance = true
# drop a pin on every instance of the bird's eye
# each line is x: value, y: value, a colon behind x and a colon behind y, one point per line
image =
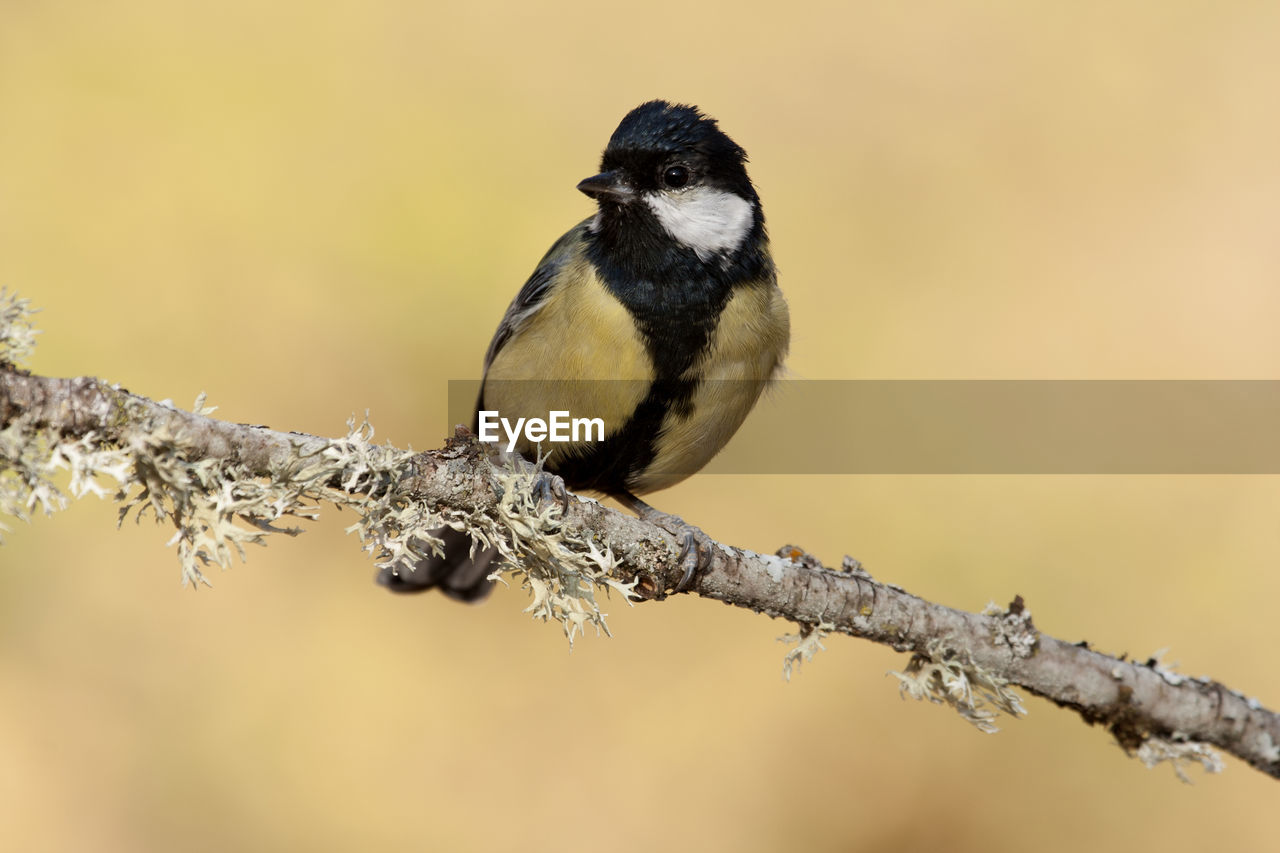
x: 675, y: 177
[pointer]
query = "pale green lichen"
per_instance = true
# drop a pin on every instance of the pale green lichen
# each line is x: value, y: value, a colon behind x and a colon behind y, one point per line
x: 1012, y: 628
x: 945, y: 677
x: 28, y: 463
x: 1168, y: 672
x: 1179, y: 753
x: 392, y: 526
x: 17, y: 334
x: 1264, y: 746
x: 561, y: 571
x: 31, y: 458
x: 808, y: 643
x: 217, y: 506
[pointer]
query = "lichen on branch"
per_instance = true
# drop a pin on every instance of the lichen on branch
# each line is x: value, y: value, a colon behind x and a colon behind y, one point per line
x: 222, y: 486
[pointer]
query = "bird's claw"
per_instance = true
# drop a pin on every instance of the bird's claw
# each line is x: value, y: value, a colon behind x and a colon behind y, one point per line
x: 696, y: 547
x: 695, y: 555
x: 552, y: 487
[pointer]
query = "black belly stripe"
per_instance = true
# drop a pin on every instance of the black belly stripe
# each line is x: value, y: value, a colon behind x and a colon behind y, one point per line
x: 611, y: 466
x: 676, y: 300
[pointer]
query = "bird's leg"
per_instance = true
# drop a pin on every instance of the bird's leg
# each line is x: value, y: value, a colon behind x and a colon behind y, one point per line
x: 695, y: 546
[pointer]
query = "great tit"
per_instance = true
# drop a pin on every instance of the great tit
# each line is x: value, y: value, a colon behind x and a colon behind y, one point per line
x: 660, y: 315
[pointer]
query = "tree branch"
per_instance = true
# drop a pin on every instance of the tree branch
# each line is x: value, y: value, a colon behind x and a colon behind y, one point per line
x: 204, y: 474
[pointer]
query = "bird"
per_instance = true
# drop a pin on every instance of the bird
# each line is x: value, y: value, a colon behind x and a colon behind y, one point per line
x: 660, y: 314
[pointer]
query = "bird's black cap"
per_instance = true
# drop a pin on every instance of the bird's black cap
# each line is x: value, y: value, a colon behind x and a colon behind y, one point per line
x: 674, y: 128
x: 660, y: 131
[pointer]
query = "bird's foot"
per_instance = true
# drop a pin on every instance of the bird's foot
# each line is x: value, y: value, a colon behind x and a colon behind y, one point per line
x: 696, y: 547
x: 551, y: 487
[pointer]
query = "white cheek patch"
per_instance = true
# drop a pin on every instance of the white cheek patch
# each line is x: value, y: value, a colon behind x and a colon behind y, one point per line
x: 704, y: 219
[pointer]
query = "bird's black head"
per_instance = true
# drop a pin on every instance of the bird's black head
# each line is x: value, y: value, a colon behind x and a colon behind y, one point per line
x: 670, y: 170
x: 657, y: 140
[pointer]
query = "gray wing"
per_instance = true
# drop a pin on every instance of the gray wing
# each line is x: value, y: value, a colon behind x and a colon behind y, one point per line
x: 534, y: 293
x: 457, y: 572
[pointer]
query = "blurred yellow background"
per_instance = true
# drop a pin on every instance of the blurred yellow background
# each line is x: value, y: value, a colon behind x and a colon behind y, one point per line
x: 309, y: 210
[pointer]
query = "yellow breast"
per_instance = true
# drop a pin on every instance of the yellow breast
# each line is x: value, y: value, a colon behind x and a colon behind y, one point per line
x: 746, y: 350
x: 580, y: 352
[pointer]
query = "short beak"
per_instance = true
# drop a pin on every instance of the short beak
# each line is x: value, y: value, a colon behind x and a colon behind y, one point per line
x: 607, y: 186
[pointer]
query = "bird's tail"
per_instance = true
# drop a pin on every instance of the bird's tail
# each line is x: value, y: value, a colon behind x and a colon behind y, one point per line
x: 456, y: 572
